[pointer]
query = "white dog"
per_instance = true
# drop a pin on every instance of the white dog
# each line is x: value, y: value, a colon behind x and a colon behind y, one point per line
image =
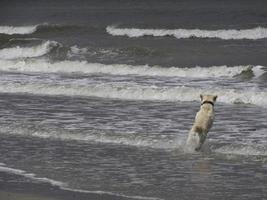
x: 203, y: 122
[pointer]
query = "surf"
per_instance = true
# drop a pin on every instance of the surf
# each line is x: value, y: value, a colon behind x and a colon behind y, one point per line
x: 139, y: 93
x: 224, y: 34
x: 11, y: 30
x: 27, y: 52
x: 40, y: 28
x: 84, y: 67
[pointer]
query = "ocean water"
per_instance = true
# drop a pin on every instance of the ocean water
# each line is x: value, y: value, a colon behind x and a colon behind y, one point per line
x: 97, y: 98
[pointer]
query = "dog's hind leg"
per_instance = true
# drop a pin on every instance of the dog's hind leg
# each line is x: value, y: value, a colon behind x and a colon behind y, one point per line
x: 193, y: 141
x: 195, y: 138
x: 202, y: 138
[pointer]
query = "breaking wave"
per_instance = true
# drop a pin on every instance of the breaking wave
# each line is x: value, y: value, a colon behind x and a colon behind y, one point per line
x: 152, y: 93
x: 10, y: 30
x: 231, y: 34
x: 27, y: 52
x: 114, y: 69
x: 42, y: 28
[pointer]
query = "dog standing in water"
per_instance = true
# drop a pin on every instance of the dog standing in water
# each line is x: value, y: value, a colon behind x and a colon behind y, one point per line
x: 203, y: 122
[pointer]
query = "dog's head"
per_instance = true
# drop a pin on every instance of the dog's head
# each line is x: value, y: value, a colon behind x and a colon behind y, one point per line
x: 208, y: 98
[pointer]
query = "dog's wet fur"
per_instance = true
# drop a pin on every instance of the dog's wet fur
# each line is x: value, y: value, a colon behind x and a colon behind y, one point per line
x: 203, y: 122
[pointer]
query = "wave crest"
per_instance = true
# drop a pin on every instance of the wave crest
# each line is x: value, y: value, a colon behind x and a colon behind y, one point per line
x: 27, y: 52
x: 152, y: 93
x: 114, y: 69
x: 40, y: 28
x: 231, y: 34
x: 11, y: 30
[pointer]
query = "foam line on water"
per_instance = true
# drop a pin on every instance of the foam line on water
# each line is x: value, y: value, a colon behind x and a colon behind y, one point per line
x: 4, y: 168
x: 152, y: 93
x: 97, y: 137
x: 111, y: 193
x: 115, y: 69
x: 228, y: 34
x: 155, y: 143
x: 26, y: 52
x: 64, y: 186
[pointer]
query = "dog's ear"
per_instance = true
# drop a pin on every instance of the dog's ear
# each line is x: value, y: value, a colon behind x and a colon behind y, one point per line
x: 215, y: 97
x: 201, y: 97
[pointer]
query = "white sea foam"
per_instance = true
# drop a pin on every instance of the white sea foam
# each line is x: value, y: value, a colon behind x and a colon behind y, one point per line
x: 76, y: 50
x: 122, y: 69
x: 252, y: 34
x: 10, y: 30
x: 27, y: 52
x: 152, y: 93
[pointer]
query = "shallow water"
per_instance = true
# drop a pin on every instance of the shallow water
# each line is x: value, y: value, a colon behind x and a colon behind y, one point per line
x: 135, y: 148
